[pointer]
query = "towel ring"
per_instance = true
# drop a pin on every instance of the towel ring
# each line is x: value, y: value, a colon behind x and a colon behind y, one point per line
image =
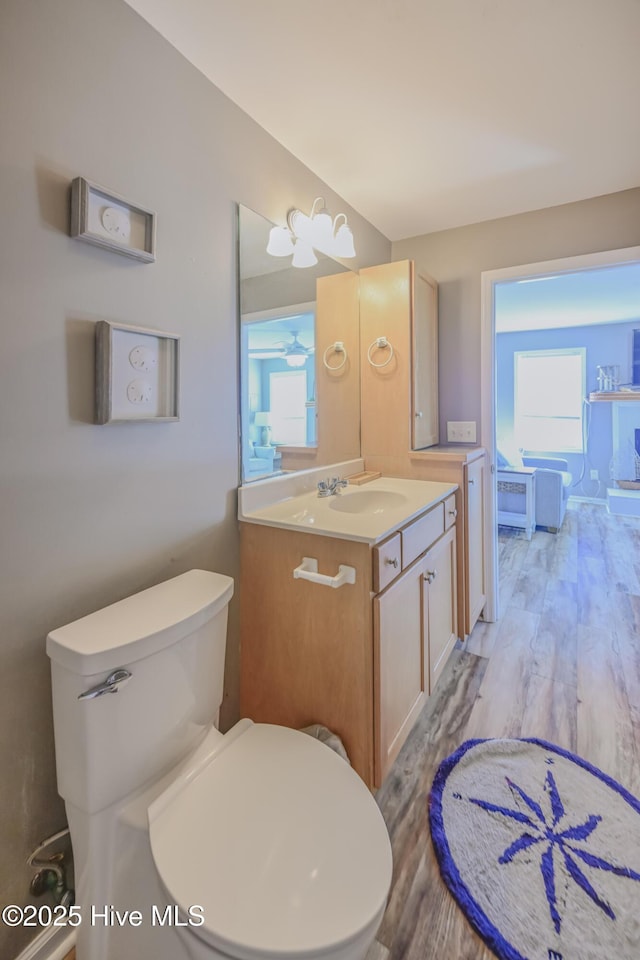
x: 381, y: 343
x: 337, y: 347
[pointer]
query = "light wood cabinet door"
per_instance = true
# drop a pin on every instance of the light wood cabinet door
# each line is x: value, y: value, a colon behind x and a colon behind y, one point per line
x: 440, y: 603
x: 424, y: 366
x: 399, y: 665
x: 474, y: 493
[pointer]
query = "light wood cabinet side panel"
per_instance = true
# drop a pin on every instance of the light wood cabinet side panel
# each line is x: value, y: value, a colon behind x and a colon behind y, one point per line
x: 474, y: 540
x: 306, y: 650
x: 385, y: 305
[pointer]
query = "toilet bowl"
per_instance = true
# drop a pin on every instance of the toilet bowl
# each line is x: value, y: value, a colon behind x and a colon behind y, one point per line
x: 258, y: 844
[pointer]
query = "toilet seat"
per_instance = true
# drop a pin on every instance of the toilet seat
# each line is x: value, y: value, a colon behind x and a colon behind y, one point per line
x: 280, y: 843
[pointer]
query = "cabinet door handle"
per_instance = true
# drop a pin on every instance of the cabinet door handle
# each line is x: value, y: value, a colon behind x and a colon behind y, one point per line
x: 472, y: 480
x: 430, y: 575
x: 419, y: 414
x: 453, y: 513
x: 392, y: 563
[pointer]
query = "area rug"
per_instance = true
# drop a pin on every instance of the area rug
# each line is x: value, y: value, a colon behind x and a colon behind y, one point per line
x: 540, y: 849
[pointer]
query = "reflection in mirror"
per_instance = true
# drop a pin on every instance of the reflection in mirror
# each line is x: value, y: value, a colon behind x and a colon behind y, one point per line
x: 278, y: 333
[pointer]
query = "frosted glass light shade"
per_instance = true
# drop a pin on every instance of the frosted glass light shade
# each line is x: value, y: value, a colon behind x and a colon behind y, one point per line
x: 343, y: 244
x: 280, y: 242
x: 301, y: 225
x: 296, y: 360
x: 322, y: 236
x: 303, y: 255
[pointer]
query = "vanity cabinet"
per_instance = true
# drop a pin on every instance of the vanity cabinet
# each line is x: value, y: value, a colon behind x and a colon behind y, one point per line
x: 398, y: 382
x: 360, y: 659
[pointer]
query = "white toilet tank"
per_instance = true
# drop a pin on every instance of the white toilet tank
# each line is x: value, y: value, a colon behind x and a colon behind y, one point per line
x: 171, y: 639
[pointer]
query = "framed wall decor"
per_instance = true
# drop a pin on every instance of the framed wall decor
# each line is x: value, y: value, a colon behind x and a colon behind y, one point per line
x: 107, y: 220
x: 137, y: 373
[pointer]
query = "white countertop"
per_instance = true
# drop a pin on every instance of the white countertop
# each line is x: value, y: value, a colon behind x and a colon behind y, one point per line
x: 387, y: 503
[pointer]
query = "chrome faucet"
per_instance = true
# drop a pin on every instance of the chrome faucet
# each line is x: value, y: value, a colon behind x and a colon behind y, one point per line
x: 331, y: 486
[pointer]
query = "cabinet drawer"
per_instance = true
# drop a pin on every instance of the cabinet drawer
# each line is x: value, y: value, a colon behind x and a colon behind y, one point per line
x: 386, y: 562
x: 419, y: 535
x: 450, y: 511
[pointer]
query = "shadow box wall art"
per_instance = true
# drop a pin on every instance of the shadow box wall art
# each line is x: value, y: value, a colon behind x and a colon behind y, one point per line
x: 137, y: 373
x: 109, y: 221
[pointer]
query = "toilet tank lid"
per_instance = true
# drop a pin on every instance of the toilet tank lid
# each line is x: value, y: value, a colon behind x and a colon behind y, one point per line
x: 140, y: 625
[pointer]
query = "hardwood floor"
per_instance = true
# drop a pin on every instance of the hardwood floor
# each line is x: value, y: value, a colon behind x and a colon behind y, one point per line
x: 563, y: 664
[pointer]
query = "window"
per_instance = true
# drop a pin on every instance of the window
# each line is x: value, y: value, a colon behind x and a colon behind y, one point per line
x: 549, y: 387
x: 288, y: 395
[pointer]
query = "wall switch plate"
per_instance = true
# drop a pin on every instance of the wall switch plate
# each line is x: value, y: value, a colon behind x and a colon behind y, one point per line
x: 595, y: 475
x: 461, y: 431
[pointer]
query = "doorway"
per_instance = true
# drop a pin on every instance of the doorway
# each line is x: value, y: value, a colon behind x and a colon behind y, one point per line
x: 491, y: 281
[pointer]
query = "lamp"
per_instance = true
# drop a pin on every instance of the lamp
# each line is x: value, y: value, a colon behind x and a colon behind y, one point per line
x: 263, y: 419
x: 322, y: 227
x: 303, y: 255
x: 343, y: 243
x: 280, y: 242
x: 306, y: 232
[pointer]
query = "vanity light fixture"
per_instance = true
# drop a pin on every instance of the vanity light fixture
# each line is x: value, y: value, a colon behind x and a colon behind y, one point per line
x: 305, y: 233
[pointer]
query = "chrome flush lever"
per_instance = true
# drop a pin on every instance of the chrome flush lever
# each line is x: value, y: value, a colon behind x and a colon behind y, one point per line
x: 111, y: 685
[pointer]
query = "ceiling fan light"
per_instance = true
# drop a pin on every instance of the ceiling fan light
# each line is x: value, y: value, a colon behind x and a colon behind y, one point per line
x: 296, y: 359
x: 280, y: 243
x: 343, y: 243
x: 303, y: 255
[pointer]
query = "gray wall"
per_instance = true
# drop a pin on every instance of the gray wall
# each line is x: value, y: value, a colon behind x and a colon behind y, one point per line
x: 90, y: 514
x: 456, y: 258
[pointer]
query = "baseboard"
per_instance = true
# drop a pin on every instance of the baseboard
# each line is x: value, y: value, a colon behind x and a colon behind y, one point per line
x: 53, y: 943
x: 598, y: 500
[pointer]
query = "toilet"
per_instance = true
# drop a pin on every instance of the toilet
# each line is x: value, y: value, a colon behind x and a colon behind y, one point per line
x: 259, y: 844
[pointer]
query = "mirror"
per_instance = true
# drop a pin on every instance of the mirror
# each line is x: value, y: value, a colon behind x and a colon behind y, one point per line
x: 299, y: 404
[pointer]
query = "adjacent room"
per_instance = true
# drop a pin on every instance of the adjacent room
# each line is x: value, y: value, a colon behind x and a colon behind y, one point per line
x: 567, y: 388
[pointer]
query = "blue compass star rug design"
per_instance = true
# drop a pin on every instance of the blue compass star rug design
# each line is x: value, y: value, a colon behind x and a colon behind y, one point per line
x: 540, y: 849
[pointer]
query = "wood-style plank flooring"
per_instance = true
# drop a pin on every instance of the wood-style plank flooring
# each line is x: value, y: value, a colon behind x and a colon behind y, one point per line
x: 563, y: 664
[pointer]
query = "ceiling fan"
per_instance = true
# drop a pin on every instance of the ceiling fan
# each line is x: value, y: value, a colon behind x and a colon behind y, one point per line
x: 293, y: 351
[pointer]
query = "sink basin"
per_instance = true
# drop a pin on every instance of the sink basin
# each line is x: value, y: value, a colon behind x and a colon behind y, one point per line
x: 367, y: 501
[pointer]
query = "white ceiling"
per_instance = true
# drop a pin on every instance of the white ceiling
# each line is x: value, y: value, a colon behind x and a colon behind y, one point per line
x: 429, y: 114
x: 603, y: 295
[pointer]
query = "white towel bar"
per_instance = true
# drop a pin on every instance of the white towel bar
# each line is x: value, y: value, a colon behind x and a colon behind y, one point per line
x: 308, y: 570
